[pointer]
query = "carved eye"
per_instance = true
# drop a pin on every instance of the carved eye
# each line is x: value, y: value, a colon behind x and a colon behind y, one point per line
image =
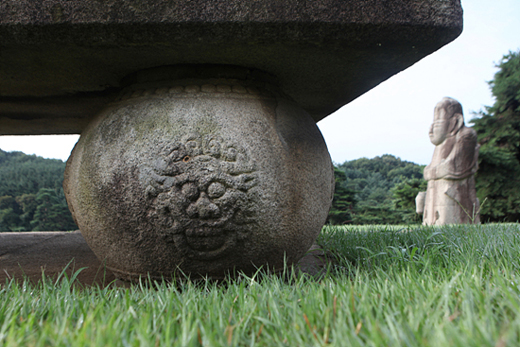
x: 214, y: 148
x: 190, y: 191
x: 176, y: 154
x: 192, y: 148
x: 216, y: 190
x: 231, y: 154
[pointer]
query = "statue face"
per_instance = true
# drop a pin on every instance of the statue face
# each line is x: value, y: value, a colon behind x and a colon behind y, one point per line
x: 440, y: 127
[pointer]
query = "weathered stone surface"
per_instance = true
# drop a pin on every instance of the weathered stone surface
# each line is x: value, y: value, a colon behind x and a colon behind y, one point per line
x: 31, y: 253
x: 451, y: 196
x: 206, y: 176
x: 66, y: 55
x: 419, y: 202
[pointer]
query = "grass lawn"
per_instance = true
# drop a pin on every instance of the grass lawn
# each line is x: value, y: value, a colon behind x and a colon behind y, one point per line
x: 389, y: 286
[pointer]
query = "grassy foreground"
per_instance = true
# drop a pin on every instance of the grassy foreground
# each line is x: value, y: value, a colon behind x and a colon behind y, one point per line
x: 390, y: 286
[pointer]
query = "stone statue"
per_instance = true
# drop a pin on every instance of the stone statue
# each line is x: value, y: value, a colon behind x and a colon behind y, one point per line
x: 450, y: 197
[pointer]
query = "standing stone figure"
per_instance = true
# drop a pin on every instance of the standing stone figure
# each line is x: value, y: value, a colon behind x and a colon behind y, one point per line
x: 450, y: 197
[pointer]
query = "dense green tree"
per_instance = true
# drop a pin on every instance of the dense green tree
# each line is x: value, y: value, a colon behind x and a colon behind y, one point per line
x: 8, y: 201
x: 28, y: 204
x: 373, y: 181
x: 52, y: 212
x: 31, y: 194
x: 384, y: 213
x: 498, y: 129
x: 10, y: 221
x: 344, y: 201
x: 404, y: 195
x: 27, y: 174
x: 9, y: 214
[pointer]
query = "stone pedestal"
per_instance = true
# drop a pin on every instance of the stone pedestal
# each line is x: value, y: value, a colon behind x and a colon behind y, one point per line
x: 205, y: 176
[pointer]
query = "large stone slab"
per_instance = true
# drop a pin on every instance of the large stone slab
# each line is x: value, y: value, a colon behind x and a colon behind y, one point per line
x: 62, y: 61
x: 31, y: 254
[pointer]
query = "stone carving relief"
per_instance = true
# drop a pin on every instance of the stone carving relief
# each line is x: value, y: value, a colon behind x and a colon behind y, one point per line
x: 201, y: 196
x: 206, y: 176
x: 450, y: 197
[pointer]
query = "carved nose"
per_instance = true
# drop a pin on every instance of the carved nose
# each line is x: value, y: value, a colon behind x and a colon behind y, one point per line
x: 203, y: 208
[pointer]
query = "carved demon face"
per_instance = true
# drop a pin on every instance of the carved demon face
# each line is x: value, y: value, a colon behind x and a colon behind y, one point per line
x: 200, y: 191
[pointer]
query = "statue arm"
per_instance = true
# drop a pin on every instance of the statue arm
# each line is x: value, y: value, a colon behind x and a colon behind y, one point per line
x: 429, y: 173
x: 462, y: 161
x: 444, y: 169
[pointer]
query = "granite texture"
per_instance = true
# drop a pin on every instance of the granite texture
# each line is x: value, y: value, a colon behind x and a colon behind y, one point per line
x: 206, y: 177
x: 60, y: 54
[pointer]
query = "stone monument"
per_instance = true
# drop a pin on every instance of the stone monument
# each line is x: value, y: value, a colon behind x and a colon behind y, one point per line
x: 450, y: 197
x: 208, y: 175
x: 199, y: 149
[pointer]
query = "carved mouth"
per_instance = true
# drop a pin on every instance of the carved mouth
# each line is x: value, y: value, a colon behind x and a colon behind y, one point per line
x: 205, y: 239
x: 204, y: 232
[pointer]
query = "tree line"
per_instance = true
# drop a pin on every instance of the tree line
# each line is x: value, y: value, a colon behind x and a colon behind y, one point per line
x: 381, y: 190
x: 31, y: 194
x: 498, y: 129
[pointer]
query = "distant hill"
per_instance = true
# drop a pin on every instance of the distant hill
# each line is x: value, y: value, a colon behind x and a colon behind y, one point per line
x: 382, y: 189
x: 25, y: 174
x: 31, y: 194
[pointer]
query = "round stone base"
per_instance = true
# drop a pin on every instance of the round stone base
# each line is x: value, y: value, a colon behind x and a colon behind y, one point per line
x: 204, y: 176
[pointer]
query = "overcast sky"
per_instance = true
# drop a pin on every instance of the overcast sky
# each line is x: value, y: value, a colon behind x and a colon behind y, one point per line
x: 394, y: 117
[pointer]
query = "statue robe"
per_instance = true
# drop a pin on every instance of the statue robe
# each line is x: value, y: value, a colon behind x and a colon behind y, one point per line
x: 451, y: 196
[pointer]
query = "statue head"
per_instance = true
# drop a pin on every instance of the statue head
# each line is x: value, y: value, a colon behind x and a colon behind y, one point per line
x: 447, y: 120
